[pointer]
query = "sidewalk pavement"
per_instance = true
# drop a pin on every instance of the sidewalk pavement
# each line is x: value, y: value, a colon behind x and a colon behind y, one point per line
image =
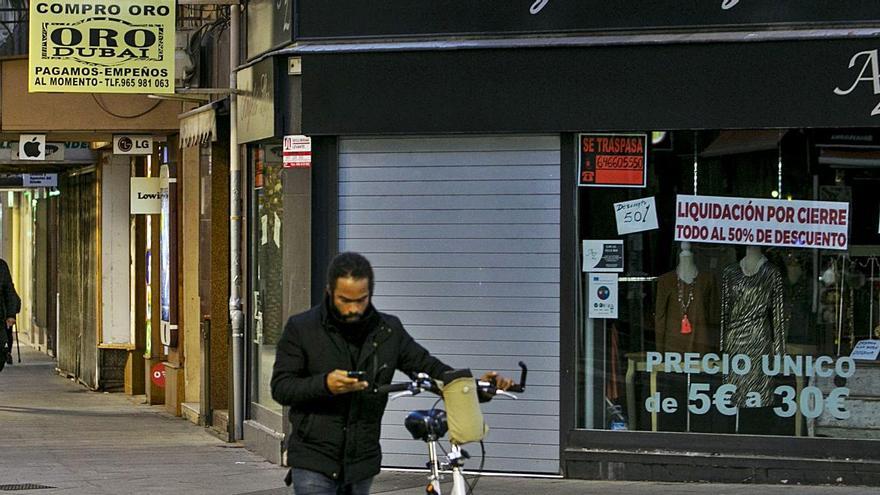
x: 56, y: 437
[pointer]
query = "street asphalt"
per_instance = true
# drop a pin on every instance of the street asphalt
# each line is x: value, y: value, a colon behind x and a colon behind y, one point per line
x: 56, y: 437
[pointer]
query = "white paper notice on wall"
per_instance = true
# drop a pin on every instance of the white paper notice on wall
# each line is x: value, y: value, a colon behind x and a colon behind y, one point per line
x: 637, y: 215
x: 603, y: 255
x: 866, y: 350
x: 603, y: 295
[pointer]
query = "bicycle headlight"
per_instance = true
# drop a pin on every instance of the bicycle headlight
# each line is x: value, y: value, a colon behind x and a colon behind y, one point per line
x: 426, y: 425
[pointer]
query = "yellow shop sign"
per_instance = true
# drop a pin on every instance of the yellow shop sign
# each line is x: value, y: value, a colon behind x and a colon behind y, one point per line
x: 102, y: 46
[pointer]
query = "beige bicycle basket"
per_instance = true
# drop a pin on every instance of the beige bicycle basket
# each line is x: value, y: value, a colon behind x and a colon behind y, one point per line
x: 463, y: 413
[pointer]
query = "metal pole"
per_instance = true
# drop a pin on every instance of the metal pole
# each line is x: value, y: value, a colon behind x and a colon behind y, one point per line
x: 235, y: 198
x: 434, y: 461
x: 842, y: 276
x: 17, y: 343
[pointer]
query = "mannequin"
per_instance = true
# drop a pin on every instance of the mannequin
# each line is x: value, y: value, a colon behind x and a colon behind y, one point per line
x: 687, y: 270
x: 752, y: 261
x: 686, y: 309
x: 753, y: 320
x: 793, y: 270
x: 685, y: 320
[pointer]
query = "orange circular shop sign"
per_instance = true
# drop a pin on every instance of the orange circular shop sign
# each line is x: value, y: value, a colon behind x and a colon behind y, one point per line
x: 157, y: 374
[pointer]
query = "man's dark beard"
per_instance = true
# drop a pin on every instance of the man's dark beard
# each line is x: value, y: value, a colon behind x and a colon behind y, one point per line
x: 357, y: 326
x: 353, y: 317
x: 347, y: 318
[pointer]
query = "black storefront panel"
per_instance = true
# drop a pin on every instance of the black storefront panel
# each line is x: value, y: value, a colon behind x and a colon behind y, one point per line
x: 341, y: 19
x: 797, y: 83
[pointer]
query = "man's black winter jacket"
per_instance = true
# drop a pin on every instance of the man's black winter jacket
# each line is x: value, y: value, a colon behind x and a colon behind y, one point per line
x: 338, y: 435
x: 10, y: 303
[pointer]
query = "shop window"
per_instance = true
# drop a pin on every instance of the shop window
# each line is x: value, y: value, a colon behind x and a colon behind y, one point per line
x: 747, y: 299
x: 267, y: 296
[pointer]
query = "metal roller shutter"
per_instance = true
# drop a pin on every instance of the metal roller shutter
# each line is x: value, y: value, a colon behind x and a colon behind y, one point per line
x: 77, y: 266
x: 463, y: 233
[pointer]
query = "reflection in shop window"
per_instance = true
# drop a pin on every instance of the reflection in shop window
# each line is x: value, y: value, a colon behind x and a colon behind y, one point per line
x: 267, y: 297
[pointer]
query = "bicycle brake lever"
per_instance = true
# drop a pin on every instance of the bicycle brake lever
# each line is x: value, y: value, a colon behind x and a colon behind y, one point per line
x: 508, y: 394
x: 401, y: 394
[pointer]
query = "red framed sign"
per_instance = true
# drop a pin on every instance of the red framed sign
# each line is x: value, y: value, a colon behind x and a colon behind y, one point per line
x: 612, y: 160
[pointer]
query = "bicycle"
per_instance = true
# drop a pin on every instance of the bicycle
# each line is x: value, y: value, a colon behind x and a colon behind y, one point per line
x: 431, y: 425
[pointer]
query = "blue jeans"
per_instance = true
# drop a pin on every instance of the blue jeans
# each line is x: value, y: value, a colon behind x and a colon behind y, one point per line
x: 307, y: 482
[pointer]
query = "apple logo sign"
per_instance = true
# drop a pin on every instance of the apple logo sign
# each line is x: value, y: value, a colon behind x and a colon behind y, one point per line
x: 32, y: 147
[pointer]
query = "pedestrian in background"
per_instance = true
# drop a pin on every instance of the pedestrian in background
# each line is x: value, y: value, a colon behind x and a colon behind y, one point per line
x: 10, y: 304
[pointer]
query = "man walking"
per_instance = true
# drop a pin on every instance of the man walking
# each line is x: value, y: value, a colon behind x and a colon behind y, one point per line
x: 328, y: 362
x: 10, y: 305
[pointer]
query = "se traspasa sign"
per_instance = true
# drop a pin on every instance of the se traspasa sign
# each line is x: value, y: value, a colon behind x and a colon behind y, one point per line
x: 612, y: 160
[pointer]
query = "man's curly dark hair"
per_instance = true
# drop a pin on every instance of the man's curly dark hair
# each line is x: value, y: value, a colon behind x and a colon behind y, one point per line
x: 349, y: 264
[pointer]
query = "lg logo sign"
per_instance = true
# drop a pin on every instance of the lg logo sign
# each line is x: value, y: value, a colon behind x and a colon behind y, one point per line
x: 125, y: 144
x: 132, y: 145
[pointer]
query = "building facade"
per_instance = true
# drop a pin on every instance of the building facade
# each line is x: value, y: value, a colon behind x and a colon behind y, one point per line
x: 72, y: 249
x: 478, y: 156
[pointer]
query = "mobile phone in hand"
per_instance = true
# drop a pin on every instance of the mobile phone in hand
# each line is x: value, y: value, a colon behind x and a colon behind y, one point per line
x: 360, y: 375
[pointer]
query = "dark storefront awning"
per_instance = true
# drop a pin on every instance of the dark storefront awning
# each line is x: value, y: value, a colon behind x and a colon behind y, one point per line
x: 730, y: 85
x: 850, y: 158
x: 735, y: 142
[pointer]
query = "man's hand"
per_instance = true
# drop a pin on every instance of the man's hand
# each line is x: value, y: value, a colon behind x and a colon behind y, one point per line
x: 10, y: 322
x: 338, y: 382
x: 501, y: 382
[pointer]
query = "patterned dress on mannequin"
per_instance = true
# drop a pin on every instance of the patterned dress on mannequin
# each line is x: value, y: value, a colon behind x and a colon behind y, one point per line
x: 754, y: 323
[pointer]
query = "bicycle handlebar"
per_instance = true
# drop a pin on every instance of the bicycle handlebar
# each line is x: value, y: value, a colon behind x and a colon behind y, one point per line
x: 393, y: 387
x: 423, y: 382
x: 524, y: 371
